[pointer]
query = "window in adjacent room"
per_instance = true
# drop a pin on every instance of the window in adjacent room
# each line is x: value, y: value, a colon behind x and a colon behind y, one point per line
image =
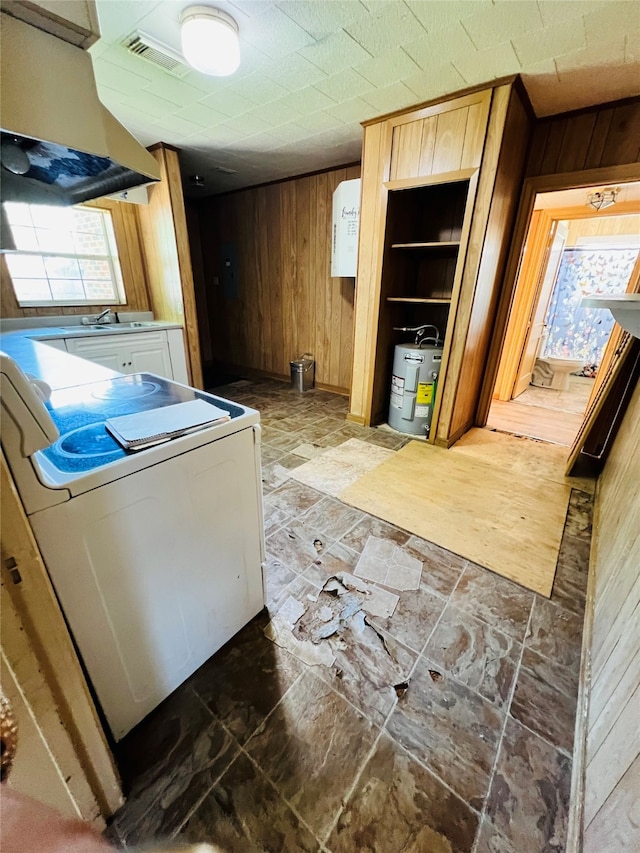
x: 64, y: 256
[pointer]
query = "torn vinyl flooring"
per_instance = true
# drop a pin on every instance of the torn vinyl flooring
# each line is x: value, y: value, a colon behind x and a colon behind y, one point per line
x: 351, y: 715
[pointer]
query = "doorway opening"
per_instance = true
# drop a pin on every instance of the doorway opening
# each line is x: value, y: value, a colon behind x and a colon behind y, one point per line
x: 553, y: 345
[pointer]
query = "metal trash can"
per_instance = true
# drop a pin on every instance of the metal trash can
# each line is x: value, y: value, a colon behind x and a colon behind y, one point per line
x: 302, y: 372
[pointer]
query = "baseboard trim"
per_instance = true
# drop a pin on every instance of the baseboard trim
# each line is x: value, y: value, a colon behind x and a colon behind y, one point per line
x: 255, y: 373
x: 332, y: 389
x: 356, y: 419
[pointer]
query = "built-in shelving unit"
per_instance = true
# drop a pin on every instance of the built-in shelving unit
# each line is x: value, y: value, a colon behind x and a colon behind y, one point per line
x: 419, y: 300
x: 424, y: 227
x: 442, y: 244
x: 439, y: 193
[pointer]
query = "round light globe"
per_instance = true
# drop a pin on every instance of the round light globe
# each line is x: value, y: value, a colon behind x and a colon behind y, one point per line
x: 210, y: 40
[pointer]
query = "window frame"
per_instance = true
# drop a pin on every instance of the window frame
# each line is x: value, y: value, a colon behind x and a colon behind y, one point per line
x: 119, y: 281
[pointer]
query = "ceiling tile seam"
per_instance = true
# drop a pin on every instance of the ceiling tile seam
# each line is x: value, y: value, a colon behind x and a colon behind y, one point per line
x: 348, y: 34
x: 468, y: 32
x: 417, y: 94
x: 311, y: 35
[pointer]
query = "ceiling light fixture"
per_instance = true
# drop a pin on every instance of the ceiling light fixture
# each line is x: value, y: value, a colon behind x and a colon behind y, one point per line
x: 210, y: 40
x: 603, y: 198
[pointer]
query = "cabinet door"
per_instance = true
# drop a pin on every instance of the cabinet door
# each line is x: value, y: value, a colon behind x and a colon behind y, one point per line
x: 149, y: 353
x: 146, y: 352
x: 108, y: 353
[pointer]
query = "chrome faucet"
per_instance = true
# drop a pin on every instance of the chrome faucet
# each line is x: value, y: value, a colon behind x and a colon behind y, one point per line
x: 91, y: 321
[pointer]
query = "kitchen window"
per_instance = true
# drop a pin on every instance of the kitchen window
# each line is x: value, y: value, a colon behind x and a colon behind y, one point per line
x: 64, y: 256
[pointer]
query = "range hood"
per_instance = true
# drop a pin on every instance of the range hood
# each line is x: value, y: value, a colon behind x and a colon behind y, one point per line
x: 60, y: 145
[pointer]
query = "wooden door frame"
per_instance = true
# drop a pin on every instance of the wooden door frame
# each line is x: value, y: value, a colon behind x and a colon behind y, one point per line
x: 531, y: 188
x: 526, y: 293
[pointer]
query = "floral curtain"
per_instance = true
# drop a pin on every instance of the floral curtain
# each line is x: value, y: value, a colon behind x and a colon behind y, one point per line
x: 574, y: 331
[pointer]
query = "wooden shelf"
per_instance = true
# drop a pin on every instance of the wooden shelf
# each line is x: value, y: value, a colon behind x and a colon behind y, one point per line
x: 443, y: 300
x: 440, y: 244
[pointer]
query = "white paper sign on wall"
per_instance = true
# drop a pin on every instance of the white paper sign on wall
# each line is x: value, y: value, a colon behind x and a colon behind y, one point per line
x: 345, y: 227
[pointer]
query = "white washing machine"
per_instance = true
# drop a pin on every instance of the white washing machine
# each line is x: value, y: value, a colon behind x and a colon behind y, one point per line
x: 156, y: 556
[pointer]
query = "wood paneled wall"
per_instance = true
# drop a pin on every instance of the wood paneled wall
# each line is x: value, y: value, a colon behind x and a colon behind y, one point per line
x: 286, y: 301
x: 607, y: 135
x: 600, y: 144
x: 125, y: 225
x: 604, y: 226
x: 165, y: 244
x: 613, y: 736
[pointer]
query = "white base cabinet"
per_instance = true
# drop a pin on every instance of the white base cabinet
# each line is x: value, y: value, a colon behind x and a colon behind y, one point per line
x: 147, y: 352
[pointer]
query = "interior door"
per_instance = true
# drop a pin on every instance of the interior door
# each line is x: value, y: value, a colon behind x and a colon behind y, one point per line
x: 546, y: 280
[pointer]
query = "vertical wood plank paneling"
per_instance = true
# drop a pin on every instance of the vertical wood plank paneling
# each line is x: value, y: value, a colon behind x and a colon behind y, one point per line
x: 449, y: 144
x: 276, y: 287
x: 321, y: 294
x: 474, y: 135
x: 538, y: 146
x: 615, y: 827
x: 623, y: 139
x: 262, y: 251
x: 287, y: 272
x: 165, y: 245
x: 606, y: 135
x: 370, y: 252
x: 611, y: 694
x: 613, y: 742
x: 576, y: 142
x: 598, y: 141
x: 288, y: 302
x: 303, y: 282
x: 427, y: 145
x: 405, y: 159
x: 553, y: 147
x: 607, y: 767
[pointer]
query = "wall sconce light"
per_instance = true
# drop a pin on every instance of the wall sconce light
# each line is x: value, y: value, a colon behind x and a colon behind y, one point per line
x: 603, y: 198
x: 210, y: 40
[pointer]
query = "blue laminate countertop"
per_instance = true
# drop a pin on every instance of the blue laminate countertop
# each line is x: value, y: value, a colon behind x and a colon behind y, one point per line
x: 57, y: 368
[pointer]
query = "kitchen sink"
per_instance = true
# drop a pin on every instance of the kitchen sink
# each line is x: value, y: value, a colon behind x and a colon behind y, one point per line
x: 139, y: 324
x: 82, y: 329
x: 106, y: 328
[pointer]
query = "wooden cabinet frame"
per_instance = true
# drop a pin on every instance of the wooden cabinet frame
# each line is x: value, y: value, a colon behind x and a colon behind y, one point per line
x: 492, y: 159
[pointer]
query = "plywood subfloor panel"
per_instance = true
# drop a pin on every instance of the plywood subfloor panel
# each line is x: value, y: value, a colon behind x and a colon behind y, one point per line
x: 524, y: 457
x: 534, y: 421
x: 509, y: 520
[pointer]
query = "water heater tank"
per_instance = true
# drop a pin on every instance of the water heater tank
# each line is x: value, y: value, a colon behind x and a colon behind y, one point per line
x: 413, y: 387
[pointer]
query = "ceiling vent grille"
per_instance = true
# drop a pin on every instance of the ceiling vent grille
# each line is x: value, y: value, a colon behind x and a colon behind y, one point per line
x: 161, y: 55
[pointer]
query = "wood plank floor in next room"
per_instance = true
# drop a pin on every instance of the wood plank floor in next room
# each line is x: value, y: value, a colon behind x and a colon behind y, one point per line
x: 445, y: 726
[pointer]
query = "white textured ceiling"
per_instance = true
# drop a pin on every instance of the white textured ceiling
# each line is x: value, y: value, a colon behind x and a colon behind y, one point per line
x: 312, y: 70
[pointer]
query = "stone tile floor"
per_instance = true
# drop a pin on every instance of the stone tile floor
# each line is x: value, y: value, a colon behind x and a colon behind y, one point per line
x: 259, y: 751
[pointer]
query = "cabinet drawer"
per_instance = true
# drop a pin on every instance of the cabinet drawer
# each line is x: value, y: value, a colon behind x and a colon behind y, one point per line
x: 114, y: 342
x: 146, y: 352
